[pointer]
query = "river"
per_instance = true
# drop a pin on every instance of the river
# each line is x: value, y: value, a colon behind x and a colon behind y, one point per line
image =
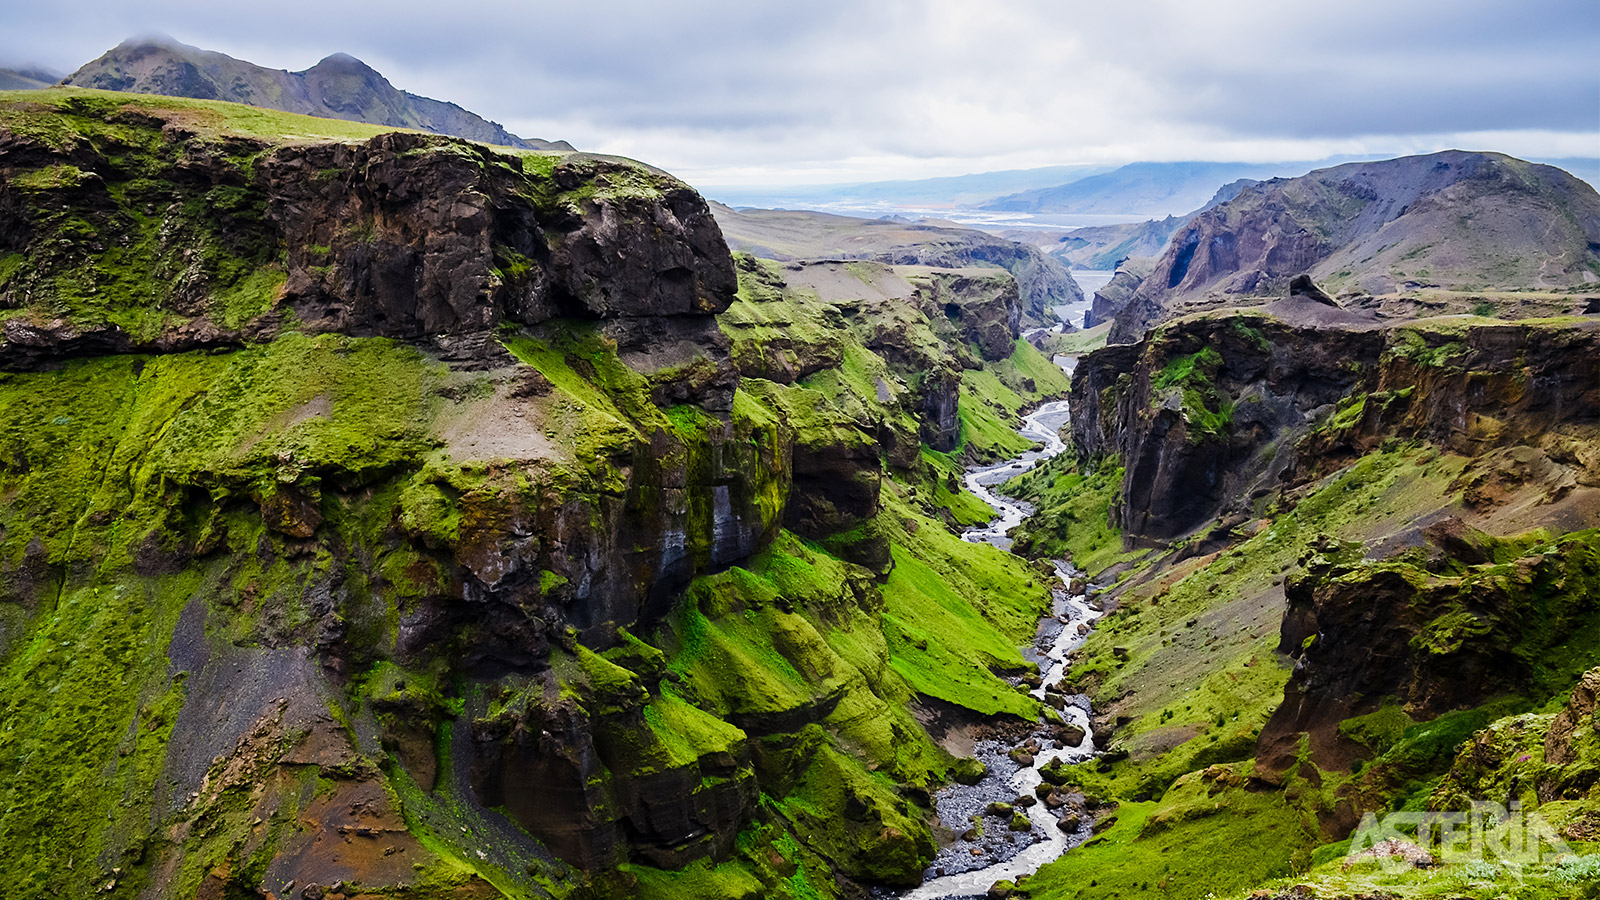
x: 1060, y: 634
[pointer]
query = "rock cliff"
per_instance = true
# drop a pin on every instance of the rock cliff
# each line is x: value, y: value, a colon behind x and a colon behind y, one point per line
x: 1214, y: 414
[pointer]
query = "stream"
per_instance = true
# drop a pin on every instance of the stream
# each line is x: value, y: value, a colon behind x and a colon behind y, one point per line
x: 1021, y: 853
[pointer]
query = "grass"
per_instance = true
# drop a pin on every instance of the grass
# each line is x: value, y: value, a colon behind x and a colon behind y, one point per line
x: 75, y: 107
x: 1172, y: 848
x: 1072, y: 515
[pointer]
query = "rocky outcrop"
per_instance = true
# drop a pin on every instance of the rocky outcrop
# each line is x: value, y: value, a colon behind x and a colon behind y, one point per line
x: 1193, y: 412
x: 1211, y: 414
x: 1377, y: 228
x: 1119, y: 291
x: 1433, y: 639
x: 367, y: 245
x: 984, y: 309
x: 338, y: 87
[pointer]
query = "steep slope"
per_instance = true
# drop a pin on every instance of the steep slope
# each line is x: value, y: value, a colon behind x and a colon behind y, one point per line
x: 1452, y: 221
x: 794, y: 234
x: 388, y: 515
x: 339, y: 87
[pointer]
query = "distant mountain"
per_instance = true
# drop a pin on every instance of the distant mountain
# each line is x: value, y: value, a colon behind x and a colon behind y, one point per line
x: 787, y: 235
x: 1451, y: 221
x: 1153, y: 189
x: 26, y: 78
x: 1105, y: 246
x: 922, y: 193
x: 339, y: 87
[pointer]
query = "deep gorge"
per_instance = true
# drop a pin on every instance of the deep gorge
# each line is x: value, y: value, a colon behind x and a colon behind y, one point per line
x: 389, y: 515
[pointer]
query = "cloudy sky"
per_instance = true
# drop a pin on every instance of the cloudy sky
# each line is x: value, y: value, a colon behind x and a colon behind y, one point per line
x: 753, y: 92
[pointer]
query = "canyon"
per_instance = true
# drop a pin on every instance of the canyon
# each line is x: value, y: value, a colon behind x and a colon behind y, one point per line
x: 393, y: 515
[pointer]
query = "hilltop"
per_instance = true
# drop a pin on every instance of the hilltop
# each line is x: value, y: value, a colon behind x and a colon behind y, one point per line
x: 338, y: 87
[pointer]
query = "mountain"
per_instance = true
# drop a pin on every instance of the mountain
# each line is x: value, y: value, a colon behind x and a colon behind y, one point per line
x: 26, y: 78
x: 1152, y: 189
x: 921, y: 193
x: 795, y: 235
x: 1451, y: 221
x: 338, y: 87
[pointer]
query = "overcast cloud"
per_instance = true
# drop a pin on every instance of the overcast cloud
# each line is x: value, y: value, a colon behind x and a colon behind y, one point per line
x: 752, y: 92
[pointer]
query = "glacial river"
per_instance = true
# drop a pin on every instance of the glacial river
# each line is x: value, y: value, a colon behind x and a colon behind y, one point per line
x: 1071, y: 611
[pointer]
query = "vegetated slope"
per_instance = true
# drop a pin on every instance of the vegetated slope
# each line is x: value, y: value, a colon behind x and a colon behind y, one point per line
x: 339, y: 87
x: 1335, y: 551
x: 1452, y: 221
x: 795, y: 234
x: 387, y: 514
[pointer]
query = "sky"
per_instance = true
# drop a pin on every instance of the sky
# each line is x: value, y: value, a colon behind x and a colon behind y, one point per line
x: 763, y: 93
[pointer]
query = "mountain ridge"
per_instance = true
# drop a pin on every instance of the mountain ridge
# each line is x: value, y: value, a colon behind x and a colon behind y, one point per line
x: 1453, y: 221
x: 338, y: 87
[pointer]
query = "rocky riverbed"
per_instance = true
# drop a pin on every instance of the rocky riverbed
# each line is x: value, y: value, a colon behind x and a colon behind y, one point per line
x: 1016, y: 819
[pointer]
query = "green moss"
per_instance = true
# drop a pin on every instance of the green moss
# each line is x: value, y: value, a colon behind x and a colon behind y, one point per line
x: 686, y: 732
x: 988, y: 414
x: 858, y: 819
x: 1207, y: 410
x: 1201, y: 642
x: 1380, y: 729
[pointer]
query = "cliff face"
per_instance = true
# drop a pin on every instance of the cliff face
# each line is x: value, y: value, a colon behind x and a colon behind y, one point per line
x: 1119, y: 291
x: 1214, y: 414
x: 1452, y: 220
x: 339, y: 87
x: 392, y: 515
x: 354, y: 238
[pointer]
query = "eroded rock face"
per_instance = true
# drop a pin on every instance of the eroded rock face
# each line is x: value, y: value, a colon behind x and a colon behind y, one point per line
x: 416, y: 237
x: 1193, y: 410
x: 1193, y: 446
x: 1119, y: 291
x: 1438, y: 638
x: 984, y: 309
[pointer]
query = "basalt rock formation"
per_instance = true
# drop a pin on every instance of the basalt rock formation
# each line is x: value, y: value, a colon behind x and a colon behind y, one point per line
x: 1119, y: 291
x: 339, y: 87
x: 1211, y: 415
x: 1451, y: 220
x: 1475, y: 619
x: 390, y: 515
